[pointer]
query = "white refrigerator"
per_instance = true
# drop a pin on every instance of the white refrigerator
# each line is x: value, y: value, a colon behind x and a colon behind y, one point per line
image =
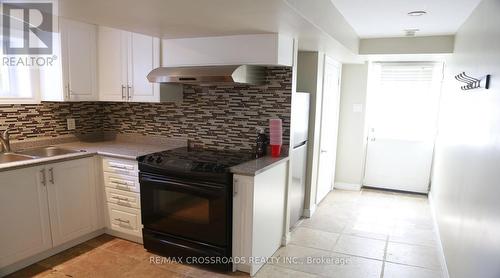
x: 300, y: 127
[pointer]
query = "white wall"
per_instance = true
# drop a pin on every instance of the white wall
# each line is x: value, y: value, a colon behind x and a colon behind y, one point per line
x: 405, y: 45
x: 324, y: 15
x: 466, y: 175
x: 351, y: 139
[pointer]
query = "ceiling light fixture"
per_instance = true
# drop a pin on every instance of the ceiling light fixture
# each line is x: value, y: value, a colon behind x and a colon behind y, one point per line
x: 417, y: 13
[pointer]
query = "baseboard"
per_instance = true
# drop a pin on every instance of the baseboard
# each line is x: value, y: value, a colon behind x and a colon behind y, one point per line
x: 442, y: 258
x: 243, y: 268
x: 128, y: 237
x: 310, y: 211
x: 347, y: 186
x: 45, y: 254
x: 285, y: 239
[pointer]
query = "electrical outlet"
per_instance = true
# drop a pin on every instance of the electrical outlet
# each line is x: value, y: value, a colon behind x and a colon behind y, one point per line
x: 71, y: 123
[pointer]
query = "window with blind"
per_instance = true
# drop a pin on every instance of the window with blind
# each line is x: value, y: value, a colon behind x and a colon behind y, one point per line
x: 404, y: 99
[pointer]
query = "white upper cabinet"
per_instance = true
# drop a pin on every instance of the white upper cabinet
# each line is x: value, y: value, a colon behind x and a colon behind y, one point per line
x: 113, y: 63
x: 262, y: 49
x: 125, y: 59
x: 145, y: 56
x: 80, y: 63
x: 73, y: 77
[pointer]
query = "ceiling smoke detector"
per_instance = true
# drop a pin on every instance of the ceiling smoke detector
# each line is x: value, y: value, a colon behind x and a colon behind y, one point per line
x: 411, y: 32
x: 417, y: 13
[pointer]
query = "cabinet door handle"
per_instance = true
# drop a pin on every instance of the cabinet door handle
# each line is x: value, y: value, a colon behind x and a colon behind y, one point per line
x: 51, y: 178
x: 235, y: 187
x: 123, y: 91
x: 68, y: 91
x: 129, y: 95
x: 118, y: 167
x: 44, y: 180
x: 120, y: 183
x: 122, y: 221
x: 120, y: 198
x: 122, y: 187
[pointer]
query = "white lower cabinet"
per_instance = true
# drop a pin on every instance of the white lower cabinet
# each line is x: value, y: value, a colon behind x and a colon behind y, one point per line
x: 123, y: 202
x: 72, y: 199
x: 125, y: 220
x: 123, y: 198
x: 258, y: 216
x: 24, y: 215
x: 42, y: 207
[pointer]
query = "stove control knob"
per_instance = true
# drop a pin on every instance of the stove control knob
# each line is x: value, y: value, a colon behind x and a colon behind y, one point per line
x: 159, y: 160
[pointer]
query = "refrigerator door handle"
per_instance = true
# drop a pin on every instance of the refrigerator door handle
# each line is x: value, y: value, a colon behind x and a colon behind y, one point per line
x: 300, y: 145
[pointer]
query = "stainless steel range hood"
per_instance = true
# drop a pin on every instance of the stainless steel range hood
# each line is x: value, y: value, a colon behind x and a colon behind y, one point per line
x: 240, y: 74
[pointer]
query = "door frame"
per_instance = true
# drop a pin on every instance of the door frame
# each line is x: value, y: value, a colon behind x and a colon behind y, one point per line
x: 369, y: 97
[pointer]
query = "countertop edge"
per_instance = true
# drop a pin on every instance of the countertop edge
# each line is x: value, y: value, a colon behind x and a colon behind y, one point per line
x: 54, y: 159
x: 252, y: 168
x: 43, y: 160
x: 249, y: 168
x: 83, y: 152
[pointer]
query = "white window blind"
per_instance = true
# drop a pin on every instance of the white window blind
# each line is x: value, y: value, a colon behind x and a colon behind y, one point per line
x: 407, y: 72
x: 405, y: 95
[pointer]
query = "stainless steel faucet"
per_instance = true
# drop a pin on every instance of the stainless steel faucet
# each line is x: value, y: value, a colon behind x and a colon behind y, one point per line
x: 4, y: 141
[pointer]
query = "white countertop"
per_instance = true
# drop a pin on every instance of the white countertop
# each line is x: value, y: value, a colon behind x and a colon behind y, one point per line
x: 118, y: 149
x: 132, y: 150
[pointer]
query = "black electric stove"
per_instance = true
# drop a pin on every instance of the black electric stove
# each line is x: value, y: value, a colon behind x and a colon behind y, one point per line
x: 186, y: 203
x: 205, y: 165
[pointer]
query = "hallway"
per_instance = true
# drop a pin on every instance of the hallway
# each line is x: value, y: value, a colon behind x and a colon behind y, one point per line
x: 364, y: 234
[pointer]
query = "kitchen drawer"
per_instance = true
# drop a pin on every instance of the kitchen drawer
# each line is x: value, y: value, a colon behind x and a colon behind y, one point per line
x: 126, y: 220
x: 120, y: 166
x: 122, y: 182
x: 123, y: 198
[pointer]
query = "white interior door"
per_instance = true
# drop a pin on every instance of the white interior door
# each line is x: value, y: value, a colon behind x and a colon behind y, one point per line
x: 402, y: 118
x: 329, y: 128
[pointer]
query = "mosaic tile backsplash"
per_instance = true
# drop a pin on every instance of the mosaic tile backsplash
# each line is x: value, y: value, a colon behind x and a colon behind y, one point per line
x: 48, y: 119
x: 216, y: 117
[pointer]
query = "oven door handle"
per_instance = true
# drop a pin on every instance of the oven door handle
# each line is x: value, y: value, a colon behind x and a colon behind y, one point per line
x: 202, y: 252
x: 182, y: 187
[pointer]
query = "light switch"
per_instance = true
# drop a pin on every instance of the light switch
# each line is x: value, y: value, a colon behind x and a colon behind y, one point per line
x: 357, y: 108
x: 71, y: 123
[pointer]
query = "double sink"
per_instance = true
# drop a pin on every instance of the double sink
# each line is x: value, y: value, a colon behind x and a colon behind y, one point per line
x: 34, y: 153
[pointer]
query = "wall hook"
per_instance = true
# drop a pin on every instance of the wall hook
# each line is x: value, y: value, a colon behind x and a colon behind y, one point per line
x: 473, y: 83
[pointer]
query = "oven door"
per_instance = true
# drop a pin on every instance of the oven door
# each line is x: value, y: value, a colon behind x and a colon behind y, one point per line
x: 187, y: 209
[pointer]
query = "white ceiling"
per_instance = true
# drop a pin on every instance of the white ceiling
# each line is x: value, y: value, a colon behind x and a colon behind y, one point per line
x: 388, y: 18
x: 202, y: 18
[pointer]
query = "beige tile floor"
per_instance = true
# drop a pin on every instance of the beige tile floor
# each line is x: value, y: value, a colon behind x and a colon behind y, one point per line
x: 363, y: 234
x: 107, y: 256
x: 370, y: 234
